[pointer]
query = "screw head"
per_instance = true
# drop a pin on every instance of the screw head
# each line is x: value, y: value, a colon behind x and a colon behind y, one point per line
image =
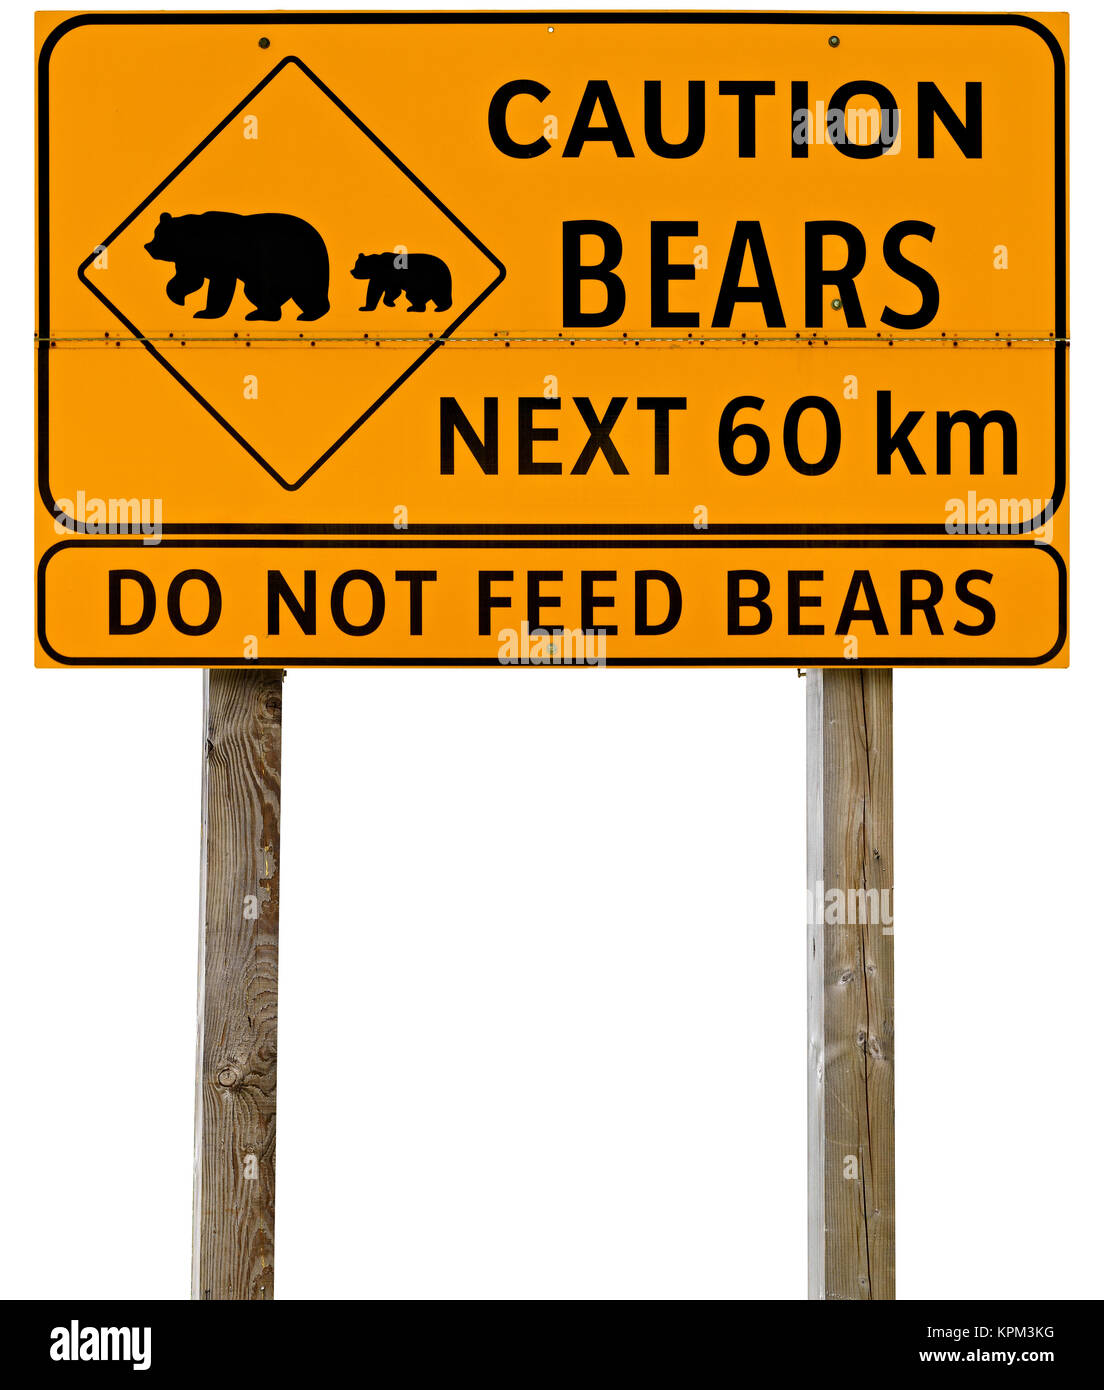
x: 264, y: 43
x: 837, y: 303
x: 834, y: 42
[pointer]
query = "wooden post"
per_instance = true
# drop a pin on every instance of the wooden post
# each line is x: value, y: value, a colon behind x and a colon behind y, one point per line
x: 850, y: 978
x: 235, y: 1148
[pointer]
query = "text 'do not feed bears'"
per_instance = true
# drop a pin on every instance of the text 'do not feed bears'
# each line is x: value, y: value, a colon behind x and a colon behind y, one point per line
x: 276, y: 257
x: 422, y: 277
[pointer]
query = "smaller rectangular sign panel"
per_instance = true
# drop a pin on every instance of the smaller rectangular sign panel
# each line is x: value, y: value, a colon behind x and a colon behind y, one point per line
x: 579, y: 603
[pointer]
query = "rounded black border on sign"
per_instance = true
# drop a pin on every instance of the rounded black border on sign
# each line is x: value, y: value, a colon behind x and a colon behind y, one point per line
x: 538, y: 18
x: 559, y: 547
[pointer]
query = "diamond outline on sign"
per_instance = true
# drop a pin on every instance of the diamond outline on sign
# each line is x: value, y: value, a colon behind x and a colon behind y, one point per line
x: 441, y: 338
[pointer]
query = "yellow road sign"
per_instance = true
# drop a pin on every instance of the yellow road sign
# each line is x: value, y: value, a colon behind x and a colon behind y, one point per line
x: 443, y: 283
x: 579, y: 602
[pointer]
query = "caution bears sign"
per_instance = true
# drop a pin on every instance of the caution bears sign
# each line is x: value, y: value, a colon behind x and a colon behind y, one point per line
x: 494, y: 339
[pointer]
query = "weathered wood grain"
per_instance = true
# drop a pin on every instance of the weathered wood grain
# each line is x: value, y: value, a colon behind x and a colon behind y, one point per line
x: 850, y: 981
x: 235, y: 1152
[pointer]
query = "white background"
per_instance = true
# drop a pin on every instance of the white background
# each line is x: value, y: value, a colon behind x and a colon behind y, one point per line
x: 542, y: 976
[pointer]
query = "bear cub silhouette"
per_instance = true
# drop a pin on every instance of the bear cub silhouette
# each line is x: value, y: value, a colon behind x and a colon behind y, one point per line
x: 277, y: 257
x: 422, y: 277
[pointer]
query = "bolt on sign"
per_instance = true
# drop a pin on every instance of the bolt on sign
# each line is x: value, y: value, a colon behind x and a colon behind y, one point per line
x: 715, y: 339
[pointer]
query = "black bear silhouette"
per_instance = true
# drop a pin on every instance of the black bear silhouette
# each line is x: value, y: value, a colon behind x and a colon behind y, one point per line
x: 277, y: 257
x: 389, y: 273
